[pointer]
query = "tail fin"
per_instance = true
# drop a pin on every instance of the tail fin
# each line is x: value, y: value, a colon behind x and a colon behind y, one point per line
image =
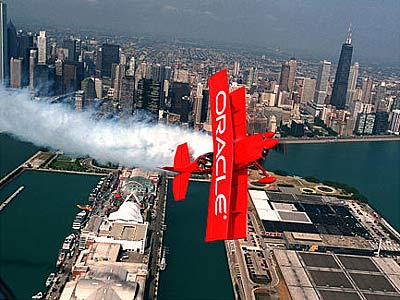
x: 182, y: 157
x: 181, y: 181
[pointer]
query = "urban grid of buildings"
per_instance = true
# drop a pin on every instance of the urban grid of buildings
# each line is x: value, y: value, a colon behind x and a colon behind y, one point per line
x: 121, y: 77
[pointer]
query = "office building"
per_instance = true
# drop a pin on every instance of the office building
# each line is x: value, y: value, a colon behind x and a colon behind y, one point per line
x: 127, y: 94
x: 366, y: 89
x: 364, y: 124
x: 395, y: 122
x: 284, y: 78
x: 338, y: 98
x: 12, y: 41
x: 308, y: 90
x: 109, y: 55
x: 41, y: 44
x: 321, y: 86
x: 381, y: 124
x: 292, y: 74
x: 33, y: 59
x: 352, y: 84
x: 15, y: 73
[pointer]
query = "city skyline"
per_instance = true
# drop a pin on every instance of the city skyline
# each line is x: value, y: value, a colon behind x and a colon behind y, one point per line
x: 303, y: 28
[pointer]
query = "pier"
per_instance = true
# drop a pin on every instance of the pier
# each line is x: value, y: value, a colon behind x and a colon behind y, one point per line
x: 9, y: 199
x: 32, y: 161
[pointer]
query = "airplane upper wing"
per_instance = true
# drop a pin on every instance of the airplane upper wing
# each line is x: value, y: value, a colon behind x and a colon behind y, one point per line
x: 238, y: 102
x: 222, y: 132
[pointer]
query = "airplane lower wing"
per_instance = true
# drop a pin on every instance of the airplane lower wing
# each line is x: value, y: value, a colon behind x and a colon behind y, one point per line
x: 238, y: 215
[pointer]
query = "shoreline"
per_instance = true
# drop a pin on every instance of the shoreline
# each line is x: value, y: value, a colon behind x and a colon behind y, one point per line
x: 328, y: 140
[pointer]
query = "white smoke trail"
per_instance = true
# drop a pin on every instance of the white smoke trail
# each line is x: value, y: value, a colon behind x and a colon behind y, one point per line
x: 130, y: 143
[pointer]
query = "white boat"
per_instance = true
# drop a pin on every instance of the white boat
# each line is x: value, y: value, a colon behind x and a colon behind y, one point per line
x: 50, y: 279
x: 39, y: 295
x: 68, y: 242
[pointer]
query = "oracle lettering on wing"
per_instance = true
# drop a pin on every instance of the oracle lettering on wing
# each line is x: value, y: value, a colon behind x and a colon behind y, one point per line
x: 220, y: 164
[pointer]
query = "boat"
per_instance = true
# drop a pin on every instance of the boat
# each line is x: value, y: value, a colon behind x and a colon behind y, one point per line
x: 38, y: 295
x: 163, y: 262
x: 84, y: 207
x: 68, y: 242
x: 79, y: 219
x: 50, y: 279
x: 60, y: 259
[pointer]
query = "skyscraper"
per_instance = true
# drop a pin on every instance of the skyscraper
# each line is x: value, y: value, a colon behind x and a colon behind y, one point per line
x: 351, y: 86
x: 15, y: 73
x: 12, y: 41
x: 41, y: 44
x: 109, y: 56
x: 322, y: 82
x: 284, y: 78
x: 338, y: 98
x: 292, y: 74
x: 4, y: 62
x: 32, y: 65
x: 366, y: 90
x: 308, y: 90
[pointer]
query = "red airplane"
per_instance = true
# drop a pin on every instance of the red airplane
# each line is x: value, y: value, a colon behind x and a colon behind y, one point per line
x: 234, y: 151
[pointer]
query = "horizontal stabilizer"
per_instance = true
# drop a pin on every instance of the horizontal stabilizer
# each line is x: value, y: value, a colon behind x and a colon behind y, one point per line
x: 180, y: 185
x: 267, y: 180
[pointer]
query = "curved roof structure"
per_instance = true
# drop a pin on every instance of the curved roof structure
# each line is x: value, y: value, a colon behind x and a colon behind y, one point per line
x: 128, y: 212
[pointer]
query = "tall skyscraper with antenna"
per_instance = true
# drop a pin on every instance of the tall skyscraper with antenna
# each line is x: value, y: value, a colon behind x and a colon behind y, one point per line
x: 4, y: 63
x: 338, y: 97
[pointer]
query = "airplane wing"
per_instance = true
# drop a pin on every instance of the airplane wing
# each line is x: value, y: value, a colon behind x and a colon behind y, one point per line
x: 238, y: 206
x: 222, y: 132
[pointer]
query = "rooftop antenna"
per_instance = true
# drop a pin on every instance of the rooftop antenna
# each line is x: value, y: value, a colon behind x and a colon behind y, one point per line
x: 348, y: 39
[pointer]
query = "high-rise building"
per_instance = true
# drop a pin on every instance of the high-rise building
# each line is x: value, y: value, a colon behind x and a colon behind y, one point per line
x: 395, y: 122
x: 284, y: 78
x: 252, y: 75
x: 12, y: 41
x: 236, y: 68
x: 132, y: 66
x: 41, y: 44
x: 119, y: 73
x: 33, y: 58
x: 109, y: 56
x: 352, y: 84
x: 98, y: 85
x: 148, y: 95
x: 381, y: 124
x: 88, y: 88
x: 321, y: 86
x: 70, y: 45
x: 127, y: 94
x: 4, y: 61
x: 364, y: 124
x: 339, y: 91
x: 204, y: 106
x: 308, y: 90
x: 292, y: 74
x: 15, y: 73
x: 366, y: 89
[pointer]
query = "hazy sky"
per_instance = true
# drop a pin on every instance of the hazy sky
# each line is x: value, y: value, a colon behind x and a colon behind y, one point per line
x: 302, y: 27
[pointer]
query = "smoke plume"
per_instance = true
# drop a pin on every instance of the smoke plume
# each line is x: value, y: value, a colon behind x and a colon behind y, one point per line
x: 130, y: 143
